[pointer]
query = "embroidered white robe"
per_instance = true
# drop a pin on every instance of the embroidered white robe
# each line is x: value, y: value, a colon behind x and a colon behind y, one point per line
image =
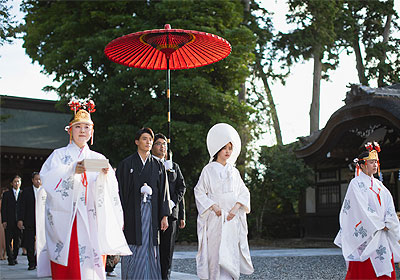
x: 222, y: 185
x: 362, y: 218
x: 97, y: 210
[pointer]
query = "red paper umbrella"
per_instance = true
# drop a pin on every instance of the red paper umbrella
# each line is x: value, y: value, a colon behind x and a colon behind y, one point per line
x: 166, y: 49
x: 154, y: 49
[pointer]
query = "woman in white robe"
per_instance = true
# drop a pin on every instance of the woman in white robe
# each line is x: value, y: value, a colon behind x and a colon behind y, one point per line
x: 369, y: 232
x: 222, y: 202
x: 79, y: 216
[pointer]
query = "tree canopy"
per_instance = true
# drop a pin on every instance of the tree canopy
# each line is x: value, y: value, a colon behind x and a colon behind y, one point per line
x: 324, y: 28
x: 370, y: 25
x: 68, y: 39
x: 313, y: 38
x: 7, y: 23
x: 276, y: 183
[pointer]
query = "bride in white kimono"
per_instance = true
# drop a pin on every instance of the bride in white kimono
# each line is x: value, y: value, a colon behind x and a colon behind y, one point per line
x: 222, y: 202
x: 79, y: 216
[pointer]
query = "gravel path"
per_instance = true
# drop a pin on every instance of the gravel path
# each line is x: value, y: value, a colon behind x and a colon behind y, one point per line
x: 286, y: 268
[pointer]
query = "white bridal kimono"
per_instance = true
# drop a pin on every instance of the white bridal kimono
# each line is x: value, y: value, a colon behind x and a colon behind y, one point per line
x: 97, y: 210
x: 222, y: 243
x: 368, y: 208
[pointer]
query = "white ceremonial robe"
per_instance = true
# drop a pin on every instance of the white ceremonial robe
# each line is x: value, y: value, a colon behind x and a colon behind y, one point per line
x: 97, y: 211
x: 362, y: 219
x: 222, y: 243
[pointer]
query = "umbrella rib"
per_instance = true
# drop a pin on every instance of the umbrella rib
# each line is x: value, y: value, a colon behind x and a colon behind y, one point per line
x: 123, y: 55
x: 148, y: 61
x: 142, y: 61
x: 205, y: 49
x: 215, y: 54
x: 154, y: 61
x: 204, y: 52
x: 213, y: 46
x: 180, y: 60
x: 189, y: 49
x: 188, y: 58
x: 219, y: 44
x: 140, y: 51
x: 131, y: 58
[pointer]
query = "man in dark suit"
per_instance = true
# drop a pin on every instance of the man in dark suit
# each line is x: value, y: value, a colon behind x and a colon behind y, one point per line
x: 9, y: 207
x: 26, y: 218
x: 177, y: 190
x: 143, y: 190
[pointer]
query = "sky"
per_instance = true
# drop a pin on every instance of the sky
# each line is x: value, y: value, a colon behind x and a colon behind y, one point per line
x: 20, y: 77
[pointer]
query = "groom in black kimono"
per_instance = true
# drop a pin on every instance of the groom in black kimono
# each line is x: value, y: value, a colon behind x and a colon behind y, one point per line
x: 145, y: 208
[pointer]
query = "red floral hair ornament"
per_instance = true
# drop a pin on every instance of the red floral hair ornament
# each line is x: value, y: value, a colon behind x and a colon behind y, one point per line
x: 369, y: 146
x: 373, y: 149
x: 377, y: 147
x: 90, y: 106
x: 82, y: 115
x: 74, y: 105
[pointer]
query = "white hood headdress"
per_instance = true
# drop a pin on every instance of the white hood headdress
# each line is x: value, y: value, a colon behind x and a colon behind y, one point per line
x: 221, y: 134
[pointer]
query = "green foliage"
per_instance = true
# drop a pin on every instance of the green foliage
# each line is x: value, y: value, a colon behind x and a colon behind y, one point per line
x: 68, y: 39
x: 338, y: 25
x: 7, y: 23
x: 259, y: 21
x: 364, y: 22
x: 275, y: 184
x: 316, y: 21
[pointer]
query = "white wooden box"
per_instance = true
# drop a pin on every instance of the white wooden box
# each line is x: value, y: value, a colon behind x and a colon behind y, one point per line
x: 95, y: 165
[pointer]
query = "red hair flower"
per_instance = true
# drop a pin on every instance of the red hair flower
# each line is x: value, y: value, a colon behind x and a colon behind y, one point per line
x: 90, y: 106
x: 74, y: 105
x: 377, y: 147
x: 369, y: 146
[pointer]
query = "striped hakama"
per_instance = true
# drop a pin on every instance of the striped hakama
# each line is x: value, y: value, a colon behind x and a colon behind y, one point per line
x: 144, y: 263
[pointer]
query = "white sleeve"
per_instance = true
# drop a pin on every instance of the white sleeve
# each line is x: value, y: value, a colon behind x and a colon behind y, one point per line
x: 243, y: 194
x: 203, y: 202
x: 54, y: 171
x: 109, y: 215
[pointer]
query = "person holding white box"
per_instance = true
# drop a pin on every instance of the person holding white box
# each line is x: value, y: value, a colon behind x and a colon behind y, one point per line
x: 79, y: 215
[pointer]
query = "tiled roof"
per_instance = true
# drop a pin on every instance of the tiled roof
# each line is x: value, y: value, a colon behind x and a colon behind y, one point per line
x: 32, y: 128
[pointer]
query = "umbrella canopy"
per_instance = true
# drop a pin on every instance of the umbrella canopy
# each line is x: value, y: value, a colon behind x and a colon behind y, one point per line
x: 164, y: 49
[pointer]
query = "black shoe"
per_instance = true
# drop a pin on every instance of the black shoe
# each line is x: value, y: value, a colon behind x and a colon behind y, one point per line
x: 16, y: 262
x: 11, y: 263
x: 31, y: 267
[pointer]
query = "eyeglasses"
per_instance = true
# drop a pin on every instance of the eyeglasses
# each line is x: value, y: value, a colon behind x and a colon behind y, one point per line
x: 160, y: 144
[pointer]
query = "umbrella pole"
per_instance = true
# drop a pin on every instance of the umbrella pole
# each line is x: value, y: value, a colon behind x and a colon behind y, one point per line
x: 169, y: 109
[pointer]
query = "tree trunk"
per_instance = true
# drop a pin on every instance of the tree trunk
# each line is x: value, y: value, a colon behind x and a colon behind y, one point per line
x: 273, y: 113
x: 246, y: 9
x: 314, y: 110
x: 261, y: 219
x: 386, y: 32
x: 246, y: 4
x: 242, y: 93
x: 243, y: 131
x: 359, y: 61
x: 357, y: 51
